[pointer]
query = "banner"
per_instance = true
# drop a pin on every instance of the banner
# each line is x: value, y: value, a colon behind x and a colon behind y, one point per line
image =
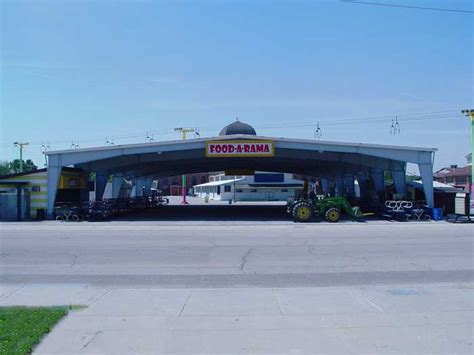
x: 216, y: 149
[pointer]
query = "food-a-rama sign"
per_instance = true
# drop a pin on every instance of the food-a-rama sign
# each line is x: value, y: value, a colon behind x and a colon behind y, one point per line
x: 223, y: 149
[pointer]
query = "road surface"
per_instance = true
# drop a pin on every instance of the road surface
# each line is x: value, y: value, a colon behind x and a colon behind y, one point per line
x: 245, y: 286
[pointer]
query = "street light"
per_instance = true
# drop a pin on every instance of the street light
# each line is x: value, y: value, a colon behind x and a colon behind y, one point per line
x: 44, y: 149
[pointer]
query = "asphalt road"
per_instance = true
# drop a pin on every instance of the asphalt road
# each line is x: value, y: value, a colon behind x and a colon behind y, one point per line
x: 240, y: 287
x: 235, y: 254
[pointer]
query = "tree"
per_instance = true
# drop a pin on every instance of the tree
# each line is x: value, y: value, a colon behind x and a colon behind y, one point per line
x: 387, y: 176
x: 13, y: 167
x: 4, y: 167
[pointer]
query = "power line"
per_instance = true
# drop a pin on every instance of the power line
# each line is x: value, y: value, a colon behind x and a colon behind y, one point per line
x: 408, y: 6
x: 362, y: 120
x: 434, y: 115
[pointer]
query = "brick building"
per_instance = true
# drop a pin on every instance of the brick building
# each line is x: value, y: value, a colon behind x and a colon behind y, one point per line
x: 172, y: 185
x: 456, y: 176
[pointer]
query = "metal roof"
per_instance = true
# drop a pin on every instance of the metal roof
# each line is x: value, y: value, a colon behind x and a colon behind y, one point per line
x: 218, y: 183
x: 240, y: 136
x: 438, y: 186
x: 26, y: 173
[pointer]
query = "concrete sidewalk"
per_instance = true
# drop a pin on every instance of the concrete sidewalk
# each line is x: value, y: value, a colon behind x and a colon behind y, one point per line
x: 432, y: 318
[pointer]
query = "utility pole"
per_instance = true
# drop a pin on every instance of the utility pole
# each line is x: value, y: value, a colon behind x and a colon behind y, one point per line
x: 470, y: 113
x: 21, y: 145
x: 183, y: 179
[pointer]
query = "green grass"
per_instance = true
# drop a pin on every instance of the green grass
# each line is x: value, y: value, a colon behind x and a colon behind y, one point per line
x: 21, y: 328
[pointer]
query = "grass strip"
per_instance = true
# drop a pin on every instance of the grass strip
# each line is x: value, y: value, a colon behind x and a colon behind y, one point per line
x: 21, y: 328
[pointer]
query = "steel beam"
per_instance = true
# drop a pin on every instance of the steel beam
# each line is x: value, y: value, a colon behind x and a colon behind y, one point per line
x: 398, y: 172
x: 101, y: 179
x: 54, y: 174
x: 426, y: 172
x: 325, y: 185
x: 349, y: 185
x: 378, y: 179
x: 339, y: 186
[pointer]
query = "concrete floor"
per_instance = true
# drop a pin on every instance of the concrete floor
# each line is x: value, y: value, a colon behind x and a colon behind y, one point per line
x: 246, y: 286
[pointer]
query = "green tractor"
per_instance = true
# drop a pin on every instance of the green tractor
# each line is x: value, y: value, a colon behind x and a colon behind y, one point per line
x: 330, y: 208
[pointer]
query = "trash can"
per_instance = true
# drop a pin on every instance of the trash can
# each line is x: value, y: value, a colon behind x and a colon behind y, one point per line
x: 436, y: 214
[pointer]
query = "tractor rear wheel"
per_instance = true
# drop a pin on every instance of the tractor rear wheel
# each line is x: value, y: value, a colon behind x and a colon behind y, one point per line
x: 303, y: 212
x: 333, y: 215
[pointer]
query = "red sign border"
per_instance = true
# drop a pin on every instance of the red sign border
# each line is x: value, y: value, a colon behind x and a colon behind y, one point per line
x: 245, y: 155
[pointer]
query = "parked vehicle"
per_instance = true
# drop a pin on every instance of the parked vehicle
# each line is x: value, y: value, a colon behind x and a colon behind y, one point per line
x: 330, y: 208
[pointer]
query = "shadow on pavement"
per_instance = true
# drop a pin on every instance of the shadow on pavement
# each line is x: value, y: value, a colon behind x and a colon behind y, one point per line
x: 210, y: 213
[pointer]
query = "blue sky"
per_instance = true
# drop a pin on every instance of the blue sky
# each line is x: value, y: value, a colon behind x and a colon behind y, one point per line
x: 86, y: 70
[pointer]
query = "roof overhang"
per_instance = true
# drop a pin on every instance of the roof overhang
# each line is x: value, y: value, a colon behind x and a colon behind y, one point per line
x: 300, y: 156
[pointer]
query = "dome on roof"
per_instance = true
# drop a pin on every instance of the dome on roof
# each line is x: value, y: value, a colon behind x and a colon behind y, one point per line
x: 238, y: 127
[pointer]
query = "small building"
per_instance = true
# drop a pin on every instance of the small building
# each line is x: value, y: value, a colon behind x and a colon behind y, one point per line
x: 444, y: 194
x: 262, y: 186
x: 27, y: 192
x: 459, y: 177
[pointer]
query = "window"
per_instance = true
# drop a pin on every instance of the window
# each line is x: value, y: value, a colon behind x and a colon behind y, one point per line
x: 227, y: 188
x: 284, y: 190
x: 450, y: 180
x: 239, y: 191
x: 255, y: 190
x: 35, y: 188
x: 73, y: 182
x: 461, y: 180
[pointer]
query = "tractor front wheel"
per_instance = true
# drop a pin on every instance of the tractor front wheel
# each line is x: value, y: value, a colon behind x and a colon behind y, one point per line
x: 333, y: 215
x: 303, y: 212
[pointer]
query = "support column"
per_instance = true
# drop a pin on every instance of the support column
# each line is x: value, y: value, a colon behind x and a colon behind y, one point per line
x: 325, y: 185
x: 54, y: 173
x: 332, y: 187
x: 378, y: 179
x: 101, y: 179
x: 139, y: 185
x: 339, y: 186
x: 148, y: 185
x: 117, y: 182
x: 400, y: 179
x: 426, y: 172
x: 129, y: 188
x: 133, y: 190
x: 349, y: 185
